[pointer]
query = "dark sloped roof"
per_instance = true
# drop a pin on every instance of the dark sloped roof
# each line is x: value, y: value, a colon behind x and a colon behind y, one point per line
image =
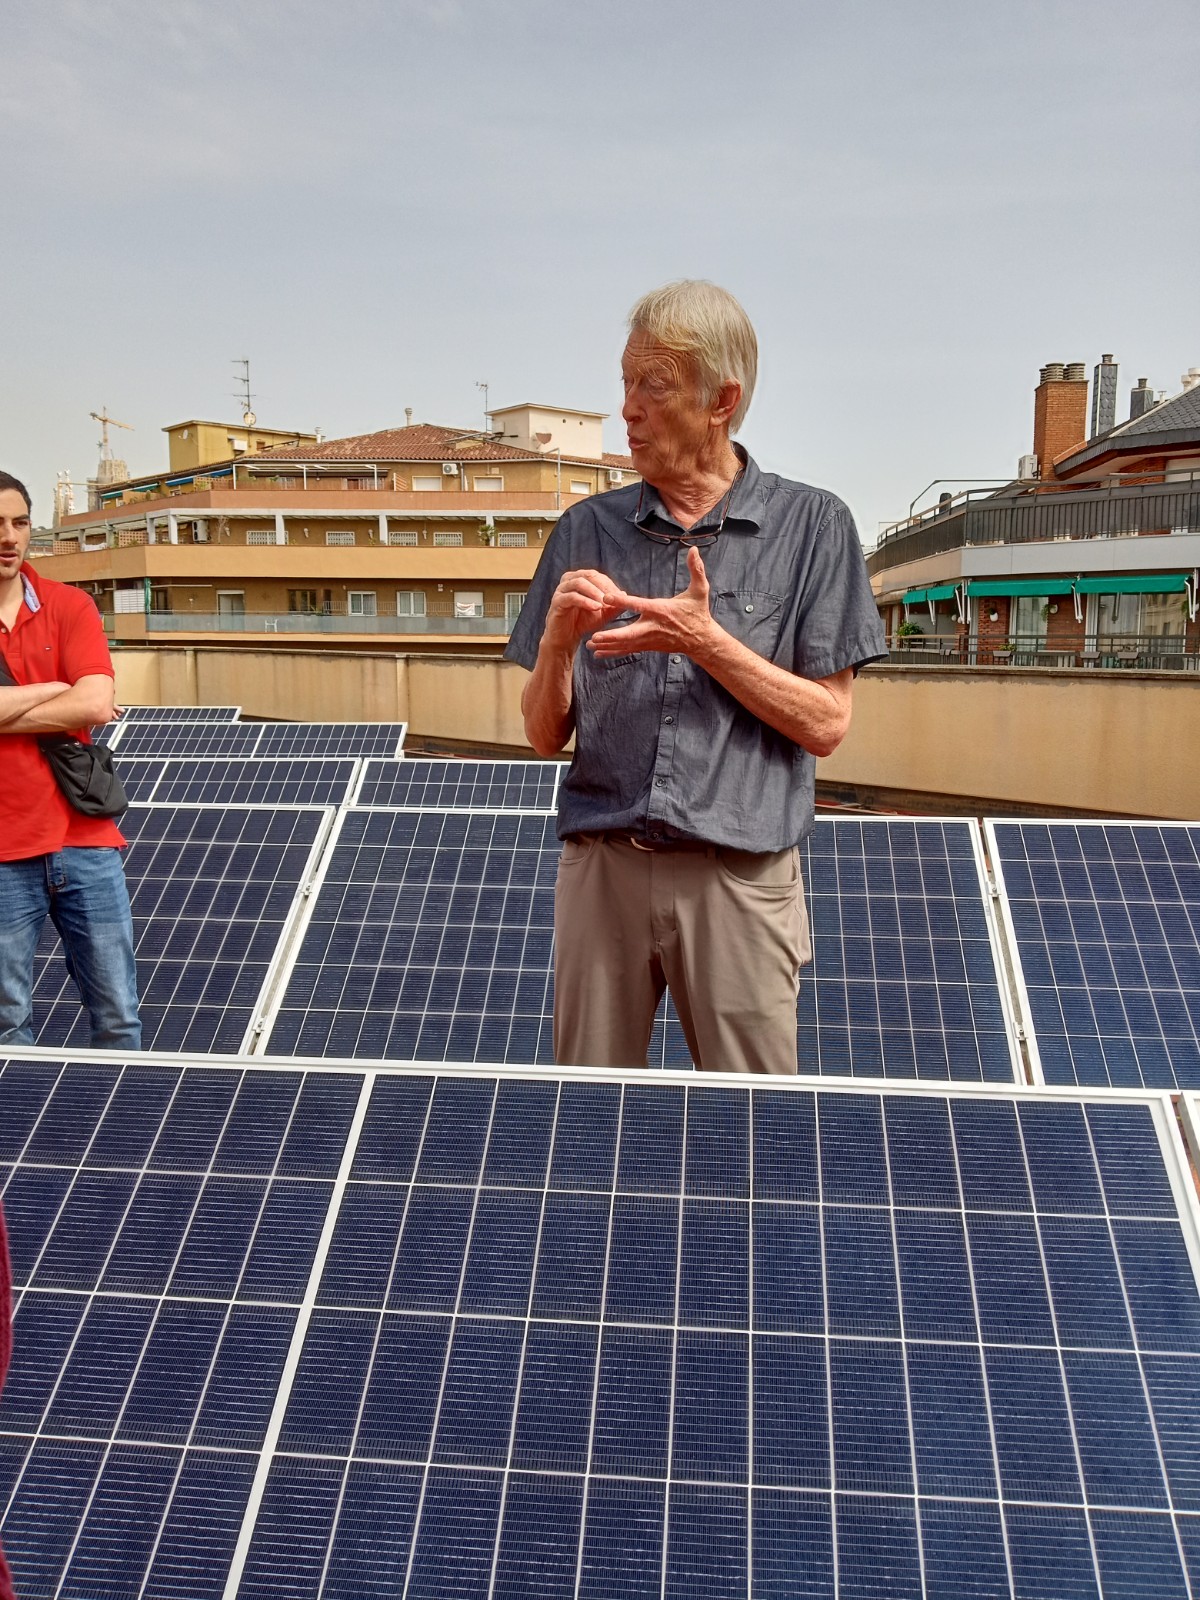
x: 423, y: 441
x: 1170, y: 417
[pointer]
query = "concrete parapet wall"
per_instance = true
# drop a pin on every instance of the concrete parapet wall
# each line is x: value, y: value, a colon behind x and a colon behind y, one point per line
x: 1117, y: 743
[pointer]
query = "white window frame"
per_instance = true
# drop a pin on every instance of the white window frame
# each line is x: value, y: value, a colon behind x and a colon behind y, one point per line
x: 340, y: 536
x: 231, y: 594
x: 512, y: 539
x: 363, y: 610
x: 511, y: 611
x: 493, y: 485
x: 472, y: 598
x: 260, y: 536
x: 404, y: 536
x: 448, y: 538
x: 427, y: 485
x: 580, y: 486
x: 416, y: 597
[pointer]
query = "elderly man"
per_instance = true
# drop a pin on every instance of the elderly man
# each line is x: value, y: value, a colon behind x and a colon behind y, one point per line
x: 699, y: 633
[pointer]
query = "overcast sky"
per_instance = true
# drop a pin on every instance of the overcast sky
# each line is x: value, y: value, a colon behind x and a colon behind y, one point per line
x: 919, y: 202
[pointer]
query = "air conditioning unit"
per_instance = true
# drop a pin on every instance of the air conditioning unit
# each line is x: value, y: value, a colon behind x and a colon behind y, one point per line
x: 449, y: 469
x: 1027, y: 468
x: 615, y: 475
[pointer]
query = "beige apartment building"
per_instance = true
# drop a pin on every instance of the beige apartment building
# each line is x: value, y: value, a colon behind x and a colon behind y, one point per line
x: 427, y: 536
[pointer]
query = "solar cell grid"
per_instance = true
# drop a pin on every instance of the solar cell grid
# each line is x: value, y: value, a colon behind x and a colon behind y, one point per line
x: 332, y: 739
x: 139, y: 776
x: 164, y: 1223
x: 182, y: 713
x: 1104, y: 920
x: 431, y: 938
x: 588, y: 1338
x: 255, y: 781
x: 188, y: 739
x: 461, y: 785
x: 213, y: 892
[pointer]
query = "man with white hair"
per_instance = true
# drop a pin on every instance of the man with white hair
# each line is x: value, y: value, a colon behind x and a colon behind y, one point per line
x: 723, y: 613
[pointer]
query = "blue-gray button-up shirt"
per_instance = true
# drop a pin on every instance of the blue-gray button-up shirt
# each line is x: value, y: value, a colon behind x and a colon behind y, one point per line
x: 661, y: 749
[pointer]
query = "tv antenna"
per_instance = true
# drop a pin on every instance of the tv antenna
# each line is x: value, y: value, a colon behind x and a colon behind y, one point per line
x: 486, y: 412
x: 242, y: 392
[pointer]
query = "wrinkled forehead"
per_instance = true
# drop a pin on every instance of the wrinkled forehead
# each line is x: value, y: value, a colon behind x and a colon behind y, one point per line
x: 646, y: 357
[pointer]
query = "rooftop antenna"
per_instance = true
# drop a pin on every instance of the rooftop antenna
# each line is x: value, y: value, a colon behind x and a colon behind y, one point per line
x: 242, y: 392
x: 106, y: 422
x: 486, y: 412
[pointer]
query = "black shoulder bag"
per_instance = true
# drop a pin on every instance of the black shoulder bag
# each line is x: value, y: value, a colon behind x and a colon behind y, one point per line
x: 84, y: 772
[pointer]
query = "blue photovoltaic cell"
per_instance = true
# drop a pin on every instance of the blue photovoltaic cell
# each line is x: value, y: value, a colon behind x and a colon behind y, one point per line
x: 181, y: 714
x: 189, y: 739
x: 1107, y: 926
x: 212, y: 891
x: 547, y: 1427
x: 432, y: 939
x: 649, y: 1361
x: 331, y: 739
x: 462, y: 785
x: 139, y: 775
x: 255, y: 781
x: 148, y: 1343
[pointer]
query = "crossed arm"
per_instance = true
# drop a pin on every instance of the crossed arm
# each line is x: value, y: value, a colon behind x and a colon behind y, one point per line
x: 56, y: 707
x: 813, y: 712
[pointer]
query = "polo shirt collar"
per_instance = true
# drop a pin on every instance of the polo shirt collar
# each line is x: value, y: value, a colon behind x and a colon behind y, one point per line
x: 745, y: 503
x: 33, y: 604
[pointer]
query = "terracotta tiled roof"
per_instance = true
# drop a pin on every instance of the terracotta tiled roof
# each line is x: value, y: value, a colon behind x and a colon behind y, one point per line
x: 423, y: 441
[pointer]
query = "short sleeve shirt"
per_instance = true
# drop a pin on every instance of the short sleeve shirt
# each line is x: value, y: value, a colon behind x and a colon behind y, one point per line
x: 57, y: 638
x: 661, y: 749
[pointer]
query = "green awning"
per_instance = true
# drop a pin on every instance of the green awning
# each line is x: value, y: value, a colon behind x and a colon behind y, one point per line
x: 941, y: 591
x: 1159, y: 583
x: 1014, y: 586
x: 913, y: 595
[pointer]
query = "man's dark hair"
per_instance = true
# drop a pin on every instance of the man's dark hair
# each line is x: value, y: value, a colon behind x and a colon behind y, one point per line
x: 7, y: 481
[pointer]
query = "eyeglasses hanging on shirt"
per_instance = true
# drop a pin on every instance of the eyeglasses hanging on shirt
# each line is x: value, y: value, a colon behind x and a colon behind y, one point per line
x: 698, y: 538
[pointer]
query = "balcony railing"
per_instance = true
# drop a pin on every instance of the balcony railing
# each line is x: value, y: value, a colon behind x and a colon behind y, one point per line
x: 1117, y: 651
x: 317, y: 622
x: 1041, y: 513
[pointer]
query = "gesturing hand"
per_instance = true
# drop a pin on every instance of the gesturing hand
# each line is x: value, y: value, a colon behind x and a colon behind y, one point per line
x: 585, y: 599
x: 682, y: 623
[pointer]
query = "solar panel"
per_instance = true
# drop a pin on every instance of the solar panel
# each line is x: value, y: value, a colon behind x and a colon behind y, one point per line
x: 541, y: 1334
x: 183, y: 713
x: 139, y: 775
x: 255, y: 781
x: 332, y: 739
x: 431, y: 938
x: 213, y: 894
x: 462, y: 785
x: 189, y: 739
x: 164, y: 1223
x: 1104, y: 923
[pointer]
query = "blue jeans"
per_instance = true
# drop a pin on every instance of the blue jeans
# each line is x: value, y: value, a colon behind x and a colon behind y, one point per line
x: 83, y: 892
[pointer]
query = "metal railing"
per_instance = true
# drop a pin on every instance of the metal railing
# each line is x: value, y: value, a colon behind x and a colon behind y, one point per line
x: 317, y: 622
x: 1041, y: 513
x: 1117, y: 651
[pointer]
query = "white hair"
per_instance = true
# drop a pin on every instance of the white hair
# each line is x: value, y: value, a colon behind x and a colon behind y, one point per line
x: 705, y: 323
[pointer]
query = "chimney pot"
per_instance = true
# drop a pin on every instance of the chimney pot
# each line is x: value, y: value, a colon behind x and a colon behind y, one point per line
x: 1075, y: 372
x: 1059, y: 412
x: 1052, y: 372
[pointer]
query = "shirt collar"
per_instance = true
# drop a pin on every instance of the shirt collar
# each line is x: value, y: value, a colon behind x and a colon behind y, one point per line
x: 745, y: 503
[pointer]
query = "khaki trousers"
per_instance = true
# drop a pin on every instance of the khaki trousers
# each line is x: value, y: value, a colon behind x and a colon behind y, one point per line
x: 725, y: 930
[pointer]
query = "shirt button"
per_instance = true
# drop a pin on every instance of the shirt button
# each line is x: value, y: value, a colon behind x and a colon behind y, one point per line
x: 660, y: 783
x: 676, y: 659
x: 668, y: 720
x: 655, y: 837
x: 749, y: 608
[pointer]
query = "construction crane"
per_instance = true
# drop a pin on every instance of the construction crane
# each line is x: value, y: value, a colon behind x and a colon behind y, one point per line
x: 106, y: 422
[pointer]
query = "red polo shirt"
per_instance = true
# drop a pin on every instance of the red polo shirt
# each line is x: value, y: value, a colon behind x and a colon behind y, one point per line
x: 61, y: 641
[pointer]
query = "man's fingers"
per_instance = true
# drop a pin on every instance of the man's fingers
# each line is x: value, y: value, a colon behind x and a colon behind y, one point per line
x: 695, y: 563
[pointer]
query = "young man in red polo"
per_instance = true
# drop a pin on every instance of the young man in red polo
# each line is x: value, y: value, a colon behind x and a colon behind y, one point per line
x: 54, y: 861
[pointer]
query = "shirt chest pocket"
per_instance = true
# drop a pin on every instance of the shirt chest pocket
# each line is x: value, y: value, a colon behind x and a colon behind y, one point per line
x: 752, y: 615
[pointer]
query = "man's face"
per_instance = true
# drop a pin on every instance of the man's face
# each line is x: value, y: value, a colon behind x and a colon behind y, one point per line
x: 666, y: 417
x: 14, y: 533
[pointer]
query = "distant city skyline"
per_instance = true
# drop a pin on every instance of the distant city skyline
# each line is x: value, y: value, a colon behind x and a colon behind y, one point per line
x: 919, y: 207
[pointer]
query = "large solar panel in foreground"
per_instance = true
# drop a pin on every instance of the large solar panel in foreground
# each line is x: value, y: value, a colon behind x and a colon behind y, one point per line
x: 312, y: 739
x: 431, y: 938
x: 534, y: 1335
x: 212, y: 891
x: 1105, y: 920
x: 462, y: 785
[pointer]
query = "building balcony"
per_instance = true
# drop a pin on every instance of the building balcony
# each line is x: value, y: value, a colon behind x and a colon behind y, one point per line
x: 1108, y: 651
x: 1041, y: 513
x: 445, y: 625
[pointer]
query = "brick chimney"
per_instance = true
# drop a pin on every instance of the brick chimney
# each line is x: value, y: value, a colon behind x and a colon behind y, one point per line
x: 1059, y: 412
